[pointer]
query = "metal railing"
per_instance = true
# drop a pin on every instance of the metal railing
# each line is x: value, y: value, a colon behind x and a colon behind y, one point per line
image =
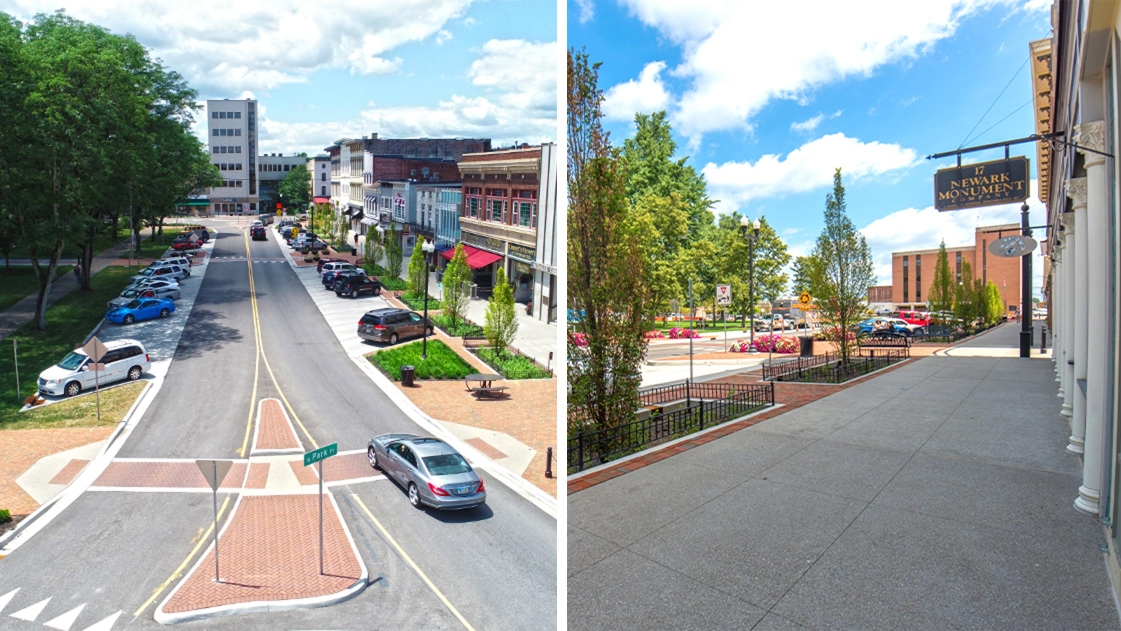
x: 473, y: 344
x: 795, y: 365
x: 591, y: 448
x: 856, y: 366
x: 686, y: 390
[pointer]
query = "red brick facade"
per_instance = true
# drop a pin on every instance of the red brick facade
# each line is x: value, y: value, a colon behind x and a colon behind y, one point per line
x: 396, y: 168
x: 445, y: 148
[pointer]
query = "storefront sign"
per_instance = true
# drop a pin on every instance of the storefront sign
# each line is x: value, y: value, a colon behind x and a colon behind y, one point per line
x: 548, y: 269
x: 982, y: 184
x: 486, y: 243
x: 522, y: 252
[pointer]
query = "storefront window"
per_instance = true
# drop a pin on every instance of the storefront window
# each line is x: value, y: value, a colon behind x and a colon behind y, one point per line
x: 525, y: 217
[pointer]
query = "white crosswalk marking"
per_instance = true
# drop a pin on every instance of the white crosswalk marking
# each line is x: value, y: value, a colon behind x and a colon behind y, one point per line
x: 106, y: 624
x: 66, y: 620
x: 7, y: 598
x: 32, y: 612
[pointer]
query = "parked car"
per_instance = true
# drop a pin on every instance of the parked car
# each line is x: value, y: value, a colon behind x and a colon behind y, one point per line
x: 138, y: 310
x: 331, y: 270
x: 354, y: 284
x: 301, y: 237
x: 153, y: 283
x: 183, y: 246
x: 173, y: 259
x: 918, y: 318
x: 390, y: 324
x: 286, y: 232
x: 125, y: 359
x: 313, y: 245
x: 266, y: 218
x: 431, y: 472
x: 875, y: 325
x: 127, y: 296
x: 906, y: 328
x: 166, y: 271
x: 325, y: 260
x: 257, y: 233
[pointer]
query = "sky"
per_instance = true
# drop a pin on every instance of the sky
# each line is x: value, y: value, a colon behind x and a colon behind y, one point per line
x: 348, y: 68
x: 768, y: 98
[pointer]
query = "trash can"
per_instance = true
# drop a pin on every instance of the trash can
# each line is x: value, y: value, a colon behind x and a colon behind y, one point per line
x: 806, y: 347
x: 407, y: 376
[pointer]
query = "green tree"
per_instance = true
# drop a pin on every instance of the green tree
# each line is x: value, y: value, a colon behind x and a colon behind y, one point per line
x: 393, y: 254
x: 418, y: 267
x: 842, y: 269
x: 800, y: 270
x: 659, y: 225
x: 994, y: 306
x: 965, y: 299
x: 373, y: 250
x: 734, y: 264
x: 296, y: 188
x: 942, y: 288
x: 607, y: 286
x: 453, y: 301
x: 652, y: 170
x: 501, y: 322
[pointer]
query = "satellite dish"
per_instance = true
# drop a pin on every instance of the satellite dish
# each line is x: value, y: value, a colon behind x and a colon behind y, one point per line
x: 1013, y: 246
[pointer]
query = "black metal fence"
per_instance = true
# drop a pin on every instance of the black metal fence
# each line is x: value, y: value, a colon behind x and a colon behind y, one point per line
x: 796, y: 365
x: 660, y: 395
x: 856, y: 366
x: 474, y: 344
x: 590, y: 448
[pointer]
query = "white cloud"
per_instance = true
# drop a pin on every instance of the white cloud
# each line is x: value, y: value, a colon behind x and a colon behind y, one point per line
x: 443, y: 37
x: 721, y: 39
x: 806, y: 168
x: 221, y: 46
x: 520, y: 106
x: 918, y: 229
x: 811, y: 124
x: 647, y: 94
x: 587, y: 10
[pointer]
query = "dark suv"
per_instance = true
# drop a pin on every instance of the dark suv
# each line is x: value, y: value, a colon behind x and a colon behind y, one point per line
x: 329, y: 276
x: 354, y: 284
x: 390, y: 325
x: 258, y: 233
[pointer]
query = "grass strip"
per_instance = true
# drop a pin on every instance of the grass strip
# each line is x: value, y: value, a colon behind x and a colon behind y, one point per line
x: 442, y: 361
x: 416, y: 301
x: 68, y: 323
x: 512, y: 366
x: 17, y: 283
x: 81, y: 411
x: 462, y: 327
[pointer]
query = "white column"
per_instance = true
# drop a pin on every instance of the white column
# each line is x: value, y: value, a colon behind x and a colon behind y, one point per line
x: 1076, y: 190
x: 1056, y: 315
x: 1066, y: 364
x: 1092, y: 135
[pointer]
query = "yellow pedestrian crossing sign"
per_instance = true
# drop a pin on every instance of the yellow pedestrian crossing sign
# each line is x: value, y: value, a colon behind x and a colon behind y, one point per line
x: 805, y: 299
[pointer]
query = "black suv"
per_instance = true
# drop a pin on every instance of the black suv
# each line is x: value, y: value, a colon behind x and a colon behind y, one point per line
x: 390, y: 325
x: 258, y: 233
x: 330, y: 276
x: 354, y: 284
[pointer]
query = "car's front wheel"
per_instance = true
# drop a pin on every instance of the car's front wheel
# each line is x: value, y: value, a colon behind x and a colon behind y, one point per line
x: 129, y: 319
x: 372, y: 456
x: 73, y: 388
x: 353, y: 293
x: 134, y: 373
x: 414, y: 495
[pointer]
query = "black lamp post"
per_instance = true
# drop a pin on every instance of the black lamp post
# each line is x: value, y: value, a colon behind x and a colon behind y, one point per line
x: 428, y: 248
x: 751, y: 238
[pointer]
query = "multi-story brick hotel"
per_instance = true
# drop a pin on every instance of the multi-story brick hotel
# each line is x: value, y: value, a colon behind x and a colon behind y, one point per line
x: 912, y: 272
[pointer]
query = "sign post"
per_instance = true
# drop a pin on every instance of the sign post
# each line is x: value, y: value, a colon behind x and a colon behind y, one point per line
x: 724, y: 298
x: 15, y: 354
x: 215, y: 471
x: 95, y: 350
x: 318, y: 456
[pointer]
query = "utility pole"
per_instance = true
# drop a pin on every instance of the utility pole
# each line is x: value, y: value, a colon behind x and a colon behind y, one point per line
x: 1025, y: 289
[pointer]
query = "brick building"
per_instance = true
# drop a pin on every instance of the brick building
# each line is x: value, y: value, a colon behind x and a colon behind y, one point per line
x: 912, y: 272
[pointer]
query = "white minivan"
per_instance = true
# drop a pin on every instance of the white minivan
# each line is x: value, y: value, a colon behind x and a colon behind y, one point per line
x: 125, y: 359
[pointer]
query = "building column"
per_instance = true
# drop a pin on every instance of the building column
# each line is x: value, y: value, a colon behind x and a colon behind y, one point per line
x: 1076, y: 190
x: 1066, y: 362
x: 1092, y: 135
x: 1056, y: 339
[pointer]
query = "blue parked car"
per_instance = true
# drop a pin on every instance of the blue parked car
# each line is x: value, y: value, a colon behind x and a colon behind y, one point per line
x: 141, y: 310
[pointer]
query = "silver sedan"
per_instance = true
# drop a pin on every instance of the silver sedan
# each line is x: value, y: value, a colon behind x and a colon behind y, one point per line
x: 432, y: 473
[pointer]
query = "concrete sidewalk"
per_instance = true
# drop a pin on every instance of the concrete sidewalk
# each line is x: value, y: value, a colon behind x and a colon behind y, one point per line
x: 936, y: 495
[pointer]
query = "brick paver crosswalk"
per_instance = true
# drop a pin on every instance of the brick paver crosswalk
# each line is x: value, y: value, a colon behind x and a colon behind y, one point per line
x: 274, y: 432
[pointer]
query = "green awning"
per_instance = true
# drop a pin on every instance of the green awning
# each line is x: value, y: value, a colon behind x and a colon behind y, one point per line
x: 193, y: 202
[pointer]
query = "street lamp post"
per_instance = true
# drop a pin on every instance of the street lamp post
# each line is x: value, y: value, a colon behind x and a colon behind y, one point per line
x: 428, y: 247
x: 751, y: 238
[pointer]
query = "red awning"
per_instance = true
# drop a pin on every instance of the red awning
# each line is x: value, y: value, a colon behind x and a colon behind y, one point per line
x: 476, y: 258
x: 321, y: 200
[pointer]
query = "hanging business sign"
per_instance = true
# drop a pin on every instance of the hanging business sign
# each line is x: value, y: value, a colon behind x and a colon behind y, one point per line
x: 982, y: 184
x: 1012, y: 246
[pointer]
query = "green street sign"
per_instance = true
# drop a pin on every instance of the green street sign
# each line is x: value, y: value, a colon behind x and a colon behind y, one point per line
x: 322, y: 453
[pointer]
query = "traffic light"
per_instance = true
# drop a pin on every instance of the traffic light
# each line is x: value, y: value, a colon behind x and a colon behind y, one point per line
x: 278, y: 205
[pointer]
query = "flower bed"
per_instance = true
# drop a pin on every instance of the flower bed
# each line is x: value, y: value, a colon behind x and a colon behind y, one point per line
x: 832, y: 334
x: 683, y: 334
x: 578, y: 339
x: 650, y: 335
x: 767, y: 344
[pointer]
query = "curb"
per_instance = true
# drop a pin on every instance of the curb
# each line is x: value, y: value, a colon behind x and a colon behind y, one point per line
x: 264, y: 606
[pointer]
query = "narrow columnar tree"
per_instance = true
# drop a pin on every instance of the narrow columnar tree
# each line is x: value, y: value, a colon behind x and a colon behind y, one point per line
x: 965, y: 303
x: 456, y: 276
x: 393, y: 254
x: 373, y: 251
x: 994, y: 306
x: 417, y: 269
x: 842, y: 270
x: 608, y: 291
x: 941, y: 296
x: 501, y: 322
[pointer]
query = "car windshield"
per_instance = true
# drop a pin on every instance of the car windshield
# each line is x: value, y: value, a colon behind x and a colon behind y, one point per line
x: 147, y: 272
x: 135, y: 304
x: 446, y: 464
x: 130, y: 293
x: 72, y: 361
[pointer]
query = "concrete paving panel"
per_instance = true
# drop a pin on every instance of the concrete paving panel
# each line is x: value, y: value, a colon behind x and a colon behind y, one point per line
x: 754, y: 541
x: 895, y: 569
x: 892, y: 429
x: 1002, y: 436
x: 775, y: 622
x: 846, y: 470
x: 586, y: 549
x: 630, y: 507
x: 747, y: 452
x: 627, y: 591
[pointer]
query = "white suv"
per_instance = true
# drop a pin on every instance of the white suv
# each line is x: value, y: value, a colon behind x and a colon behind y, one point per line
x: 125, y: 359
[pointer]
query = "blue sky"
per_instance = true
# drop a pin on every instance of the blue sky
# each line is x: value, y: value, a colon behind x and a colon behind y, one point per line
x: 402, y: 68
x: 767, y: 98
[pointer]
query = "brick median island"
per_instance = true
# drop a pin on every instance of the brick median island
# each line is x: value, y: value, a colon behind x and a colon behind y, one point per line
x: 274, y: 432
x: 270, y: 552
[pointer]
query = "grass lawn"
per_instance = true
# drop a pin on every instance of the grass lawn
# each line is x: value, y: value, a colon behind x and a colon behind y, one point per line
x: 68, y: 323
x: 17, y: 283
x: 416, y: 301
x: 711, y: 326
x: 81, y: 411
x: 442, y: 362
x: 462, y: 328
x: 101, y: 241
x: 513, y: 366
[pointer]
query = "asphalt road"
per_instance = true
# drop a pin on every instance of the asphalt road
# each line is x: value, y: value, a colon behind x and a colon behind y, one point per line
x: 496, y: 565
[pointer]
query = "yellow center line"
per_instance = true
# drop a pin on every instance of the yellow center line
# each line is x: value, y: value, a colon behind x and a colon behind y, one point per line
x: 412, y: 564
x: 256, y: 355
x: 179, y: 570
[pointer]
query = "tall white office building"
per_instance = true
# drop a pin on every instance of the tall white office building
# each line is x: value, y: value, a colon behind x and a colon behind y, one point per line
x: 232, y: 135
